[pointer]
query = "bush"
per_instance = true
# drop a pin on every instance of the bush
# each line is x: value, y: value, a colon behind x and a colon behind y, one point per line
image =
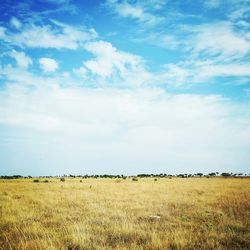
x: 62, y: 179
x: 36, y: 180
x: 212, y: 174
x: 225, y: 174
x: 45, y: 181
x: 134, y: 179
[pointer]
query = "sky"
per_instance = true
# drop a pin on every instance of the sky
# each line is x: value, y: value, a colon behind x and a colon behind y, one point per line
x: 124, y: 86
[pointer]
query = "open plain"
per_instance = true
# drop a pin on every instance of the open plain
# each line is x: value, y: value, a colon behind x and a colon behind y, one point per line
x: 148, y: 213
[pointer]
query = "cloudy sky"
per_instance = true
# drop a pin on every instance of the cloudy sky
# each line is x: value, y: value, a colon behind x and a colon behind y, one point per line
x: 124, y: 87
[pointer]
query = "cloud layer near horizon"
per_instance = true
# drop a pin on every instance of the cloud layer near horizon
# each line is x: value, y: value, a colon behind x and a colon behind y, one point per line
x: 122, y: 131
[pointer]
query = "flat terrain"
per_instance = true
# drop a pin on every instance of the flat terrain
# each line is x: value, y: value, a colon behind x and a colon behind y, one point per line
x: 192, y: 213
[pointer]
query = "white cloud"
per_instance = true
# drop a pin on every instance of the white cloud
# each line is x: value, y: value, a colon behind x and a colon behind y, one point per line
x: 137, y: 11
x: 21, y: 77
x: 190, y: 72
x: 219, y: 40
x: 57, y: 36
x: 115, y: 67
x: 212, y: 4
x: 241, y: 10
x: 48, y: 64
x: 160, y: 39
x: 243, y: 24
x: 81, y: 72
x: 2, y: 32
x: 121, y: 66
x: 14, y: 22
x: 127, y: 10
x: 213, y: 51
x: 175, y: 75
x: 153, y: 4
x: 113, y: 130
x: 235, y: 70
x: 21, y: 58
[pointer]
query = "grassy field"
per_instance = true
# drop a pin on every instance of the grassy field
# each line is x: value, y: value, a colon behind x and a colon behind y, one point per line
x: 192, y: 213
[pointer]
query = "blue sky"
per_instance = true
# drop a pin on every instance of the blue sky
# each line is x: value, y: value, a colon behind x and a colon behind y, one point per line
x: 124, y: 86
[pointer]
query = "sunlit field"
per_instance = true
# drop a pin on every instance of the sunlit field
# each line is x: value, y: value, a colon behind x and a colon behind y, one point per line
x: 148, y: 213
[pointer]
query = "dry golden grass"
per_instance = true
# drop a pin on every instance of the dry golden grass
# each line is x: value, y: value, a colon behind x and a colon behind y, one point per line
x: 194, y: 213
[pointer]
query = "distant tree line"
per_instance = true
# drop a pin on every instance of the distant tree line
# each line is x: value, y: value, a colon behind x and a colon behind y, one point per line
x: 14, y: 177
x: 161, y: 175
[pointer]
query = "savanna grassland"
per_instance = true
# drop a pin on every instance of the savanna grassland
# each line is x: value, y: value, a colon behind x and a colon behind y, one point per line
x: 192, y: 213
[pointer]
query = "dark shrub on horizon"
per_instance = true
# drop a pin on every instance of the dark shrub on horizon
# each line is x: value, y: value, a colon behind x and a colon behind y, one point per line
x: 225, y: 174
